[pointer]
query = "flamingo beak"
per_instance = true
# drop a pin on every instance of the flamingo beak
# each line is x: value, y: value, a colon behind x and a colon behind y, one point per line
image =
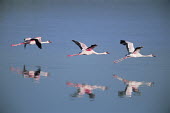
x: 107, y: 52
x: 154, y: 55
x: 49, y: 41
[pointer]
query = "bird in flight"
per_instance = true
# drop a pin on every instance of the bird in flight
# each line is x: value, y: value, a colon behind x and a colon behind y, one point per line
x: 32, y: 41
x: 132, y: 52
x: 86, y: 50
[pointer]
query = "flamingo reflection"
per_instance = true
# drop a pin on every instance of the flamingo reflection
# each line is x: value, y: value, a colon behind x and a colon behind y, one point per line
x: 131, y: 86
x: 83, y: 89
x: 35, y: 74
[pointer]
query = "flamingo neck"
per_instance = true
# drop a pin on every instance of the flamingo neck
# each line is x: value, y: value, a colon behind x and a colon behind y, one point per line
x: 104, y: 53
x: 73, y: 55
x: 147, y: 55
x: 139, y: 55
x: 45, y: 42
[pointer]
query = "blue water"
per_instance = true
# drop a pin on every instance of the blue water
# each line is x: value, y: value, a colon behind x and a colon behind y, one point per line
x: 101, y: 22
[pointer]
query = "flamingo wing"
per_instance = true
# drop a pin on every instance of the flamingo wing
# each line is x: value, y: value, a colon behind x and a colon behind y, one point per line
x: 137, y: 50
x: 37, y: 43
x: 92, y: 46
x: 25, y: 45
x: 27, y: 39
x: 81, y: 45
x: 129, y: 45
x: 39, y: 39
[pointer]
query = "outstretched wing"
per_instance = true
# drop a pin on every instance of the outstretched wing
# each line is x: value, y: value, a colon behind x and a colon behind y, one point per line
x: 27, y: 39
x: 137, y: 50
x: 92, y: 46
x: 37, y: 43
x: 39, y: 39
x: 129, y: 45
x: 81, y: 45
x: 25, y: 45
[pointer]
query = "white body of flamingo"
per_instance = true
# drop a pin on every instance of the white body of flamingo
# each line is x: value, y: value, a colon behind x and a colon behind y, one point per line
x: 87, y: 50
x: 132, y: 52
x: 32, y: 41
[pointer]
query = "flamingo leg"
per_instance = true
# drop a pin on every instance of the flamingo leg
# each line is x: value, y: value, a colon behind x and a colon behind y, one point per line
x: 73, y: 55
x: 17, y: 44
x: 121, y: 59
x: 73, y: 84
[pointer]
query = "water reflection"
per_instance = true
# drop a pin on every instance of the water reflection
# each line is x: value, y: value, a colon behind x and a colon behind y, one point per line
x: 83, y: 89
x: 34, y: 74
x: 131, y: 86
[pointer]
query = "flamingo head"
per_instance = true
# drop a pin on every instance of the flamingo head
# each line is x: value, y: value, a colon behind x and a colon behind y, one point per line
x: 49, y: 41
x: 107, y: 53
x: 153, y: 55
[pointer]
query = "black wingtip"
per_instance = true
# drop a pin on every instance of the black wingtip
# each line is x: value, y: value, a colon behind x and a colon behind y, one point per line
x: 154, y: 55
x: 94, y: 45
x: 138, y: 47
x: 123, y: 42
x: 37, y: 43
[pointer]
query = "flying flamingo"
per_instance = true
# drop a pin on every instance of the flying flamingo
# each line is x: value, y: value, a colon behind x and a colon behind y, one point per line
x: 86, y: 50
x: 32, y: 41
x: 132, y: 52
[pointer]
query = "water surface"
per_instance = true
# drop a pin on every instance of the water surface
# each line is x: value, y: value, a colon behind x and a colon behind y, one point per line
x: 101, y: 22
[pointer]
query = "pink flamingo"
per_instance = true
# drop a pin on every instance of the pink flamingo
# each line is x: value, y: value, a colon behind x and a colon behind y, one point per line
x: 132, y: 52
x: 86, y: 50
x: 32, y: 41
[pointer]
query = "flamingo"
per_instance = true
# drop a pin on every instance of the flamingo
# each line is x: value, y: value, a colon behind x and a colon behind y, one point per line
x: 132, y: 52
x: 86, y: 50
x: 32, y: 41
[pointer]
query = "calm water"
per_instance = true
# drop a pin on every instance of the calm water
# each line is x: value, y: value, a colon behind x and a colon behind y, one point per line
x: 56, y: 87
